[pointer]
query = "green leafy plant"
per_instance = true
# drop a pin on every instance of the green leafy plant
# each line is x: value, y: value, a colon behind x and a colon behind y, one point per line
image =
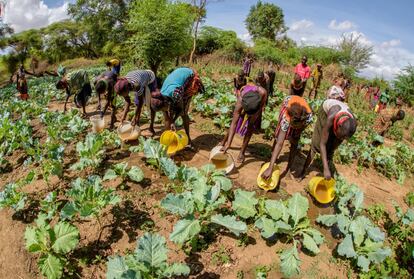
x: 148, y: 262
x: 199, y: 209
x: 91, y: 152
x: 409, y: 199
x: 363, y: 242
x: 87, y: 198
x: 288, y: 219
x: 121, y: 170
x: 53, y: 243
x: 153, y: 152
x: 12, y: 196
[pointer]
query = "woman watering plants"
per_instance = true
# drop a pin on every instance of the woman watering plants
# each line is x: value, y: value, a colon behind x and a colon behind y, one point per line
x: 335, y: 124
x: 295, y: 115
x: 176, y: 93
x: 104, y: 84
x: 246, y: 116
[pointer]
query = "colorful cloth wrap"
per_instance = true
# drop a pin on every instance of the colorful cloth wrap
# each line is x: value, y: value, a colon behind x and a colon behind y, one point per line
x: 293, y: 131
x: 244, y: 120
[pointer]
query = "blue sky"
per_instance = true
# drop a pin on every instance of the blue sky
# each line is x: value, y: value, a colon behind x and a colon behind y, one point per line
x: 385, y: 25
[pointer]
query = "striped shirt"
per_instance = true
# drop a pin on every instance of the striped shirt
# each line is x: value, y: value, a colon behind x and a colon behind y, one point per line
x: 140, y: 79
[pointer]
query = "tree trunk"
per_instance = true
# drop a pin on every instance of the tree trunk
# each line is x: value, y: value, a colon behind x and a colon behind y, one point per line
x: 195, y: 40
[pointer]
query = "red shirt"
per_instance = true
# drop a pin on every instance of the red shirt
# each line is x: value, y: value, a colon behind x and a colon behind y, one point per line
x: 304, y: 72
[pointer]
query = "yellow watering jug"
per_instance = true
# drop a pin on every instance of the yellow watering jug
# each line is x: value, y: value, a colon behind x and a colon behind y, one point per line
x: 272, y: 182
x: 174, y: 141
x: 322, y: 190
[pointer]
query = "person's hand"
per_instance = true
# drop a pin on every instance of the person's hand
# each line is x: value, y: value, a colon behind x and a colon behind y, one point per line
x: 224, y: 149
x: 327, y: 174
x: 133, y: 123
x: 172, y: 127
x: 101, y: 114
x: 267, y: 173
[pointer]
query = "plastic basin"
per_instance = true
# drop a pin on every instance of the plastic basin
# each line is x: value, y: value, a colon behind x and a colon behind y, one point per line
x: 98, y: 123
x: 322, y: 190
x: 128, y: 132
x: 222, y: 161
x: 272, y: 182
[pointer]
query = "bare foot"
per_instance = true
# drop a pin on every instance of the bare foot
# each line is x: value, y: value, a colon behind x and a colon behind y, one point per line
x: 241, y: 158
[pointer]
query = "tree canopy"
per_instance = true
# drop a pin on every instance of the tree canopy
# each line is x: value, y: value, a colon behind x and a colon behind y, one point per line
x: 265, y: 20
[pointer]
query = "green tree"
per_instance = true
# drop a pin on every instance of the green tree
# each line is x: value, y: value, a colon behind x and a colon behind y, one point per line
x: 103, y: 23
x: 404, y: 85
x: 265, y: 20
x: 265, y: 49
x: 356, y: 53
x: 160, y: 31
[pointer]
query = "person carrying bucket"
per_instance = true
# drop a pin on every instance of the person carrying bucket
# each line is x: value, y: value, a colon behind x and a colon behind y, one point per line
x: 104, y: 84
x: 246, y: 116
x: 335, y: 124
x: 295, y: 115
x: 77, y: 83
x: 143, y: 83
x: 176, y: 93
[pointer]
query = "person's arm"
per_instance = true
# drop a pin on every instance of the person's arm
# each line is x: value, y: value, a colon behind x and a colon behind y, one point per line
x: 232, y: 129
x: 127, y: 105
x: 324, y: 139
x: 275, y: 154
x: 263, y: 94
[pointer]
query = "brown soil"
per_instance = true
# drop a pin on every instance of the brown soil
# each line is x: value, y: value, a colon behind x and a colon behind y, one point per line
x: 140, y: 212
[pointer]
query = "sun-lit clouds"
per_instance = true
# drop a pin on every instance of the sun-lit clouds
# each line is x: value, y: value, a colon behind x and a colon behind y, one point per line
x: 27, y: 14
x: 391, y: 43
x: 341, y: 26
x: 301, y: 25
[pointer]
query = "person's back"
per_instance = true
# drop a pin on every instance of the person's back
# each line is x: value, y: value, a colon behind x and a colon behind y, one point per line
x: 175, y: 79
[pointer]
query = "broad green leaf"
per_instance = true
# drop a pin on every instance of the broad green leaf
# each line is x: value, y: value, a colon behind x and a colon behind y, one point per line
x: 32, y: 245
x: 68, y: 211
x: 50, y: 266
x: 178, y: 204
x: 176, y: 270
x: 277, y: 210
x: 266, y: 226
x: 184, y: 230
x: 199, y: 193
x: 375, y: 234
x: 283, y: 227
x: 152, y: 250
x: 379, y: 255
x: 298, y: 207
x: 327, y: 220
x: 346, y: 247
x: 66, y: 237
x: 222, y: 181
x: 358, y: 200
x: 116, y: 266
x: 244, y: 203
x: 363, y: 263
x: 230, y: 223
x: 343, y: 223
x: 136, y: 174
x: 408, y: 218
x: 290, y: 262
x: 169, y: 168
x: 213, y: 194
x: 358, y: 228
x: 310, y: 244
x: 316, y: 235
x: 109, y: 175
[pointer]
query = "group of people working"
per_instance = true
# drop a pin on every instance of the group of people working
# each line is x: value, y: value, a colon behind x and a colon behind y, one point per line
x: 335, y: 121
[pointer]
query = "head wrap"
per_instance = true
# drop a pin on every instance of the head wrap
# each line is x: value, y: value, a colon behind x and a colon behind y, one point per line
x: 121, y: 86
x: 340, y: 118
x: 251, y: 102
x: 337, y: 93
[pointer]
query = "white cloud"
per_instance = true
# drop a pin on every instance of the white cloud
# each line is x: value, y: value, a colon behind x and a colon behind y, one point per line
x: 341, y: 26
x: 391, y: 43
x: 27, y: 14
x: 246, y: 38
x: 301, y: 25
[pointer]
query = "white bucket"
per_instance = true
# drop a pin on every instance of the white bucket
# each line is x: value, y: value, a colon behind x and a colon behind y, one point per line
x: 222, y: 161
x: 98, y: 123
x: 128, y: 132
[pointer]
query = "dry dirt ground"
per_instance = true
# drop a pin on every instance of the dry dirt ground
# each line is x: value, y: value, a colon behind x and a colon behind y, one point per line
x: 140, y: 211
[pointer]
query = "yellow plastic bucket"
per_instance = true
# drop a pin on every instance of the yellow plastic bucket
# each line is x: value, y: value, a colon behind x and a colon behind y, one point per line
x: 321, y: 189
x: 272, y: 182
x: 174, y: 141
x: 128, y: 132
x: 222, y: 161
x: 98, y: 123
